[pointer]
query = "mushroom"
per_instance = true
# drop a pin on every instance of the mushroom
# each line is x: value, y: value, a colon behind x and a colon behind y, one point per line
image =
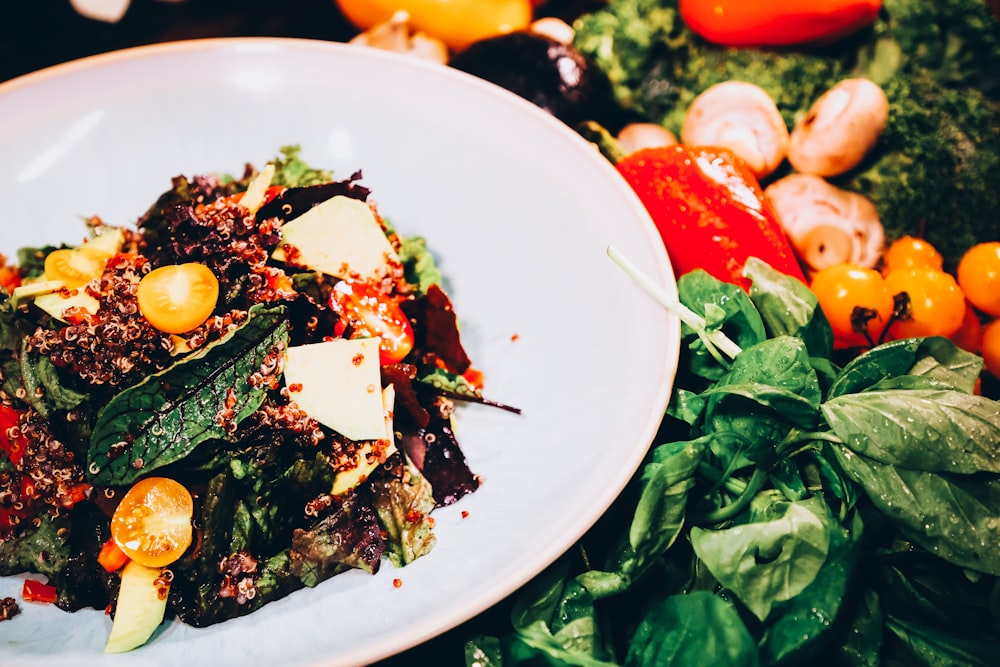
x: 396, y: 35
x: 839, y: 129
x: 555, y: 28
x: 636, y: 136
x: 826, y: 225
x: 742, y: 117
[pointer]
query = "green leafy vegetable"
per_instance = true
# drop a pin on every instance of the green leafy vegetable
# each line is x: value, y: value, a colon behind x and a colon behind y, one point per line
x: 167, y: 415
x: 794, y: 512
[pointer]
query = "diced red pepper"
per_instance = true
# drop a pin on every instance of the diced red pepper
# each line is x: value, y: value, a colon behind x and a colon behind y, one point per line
x: 710, y: 211
x: 111, y: 557
x: 36, y: 591
x: 12, y: 447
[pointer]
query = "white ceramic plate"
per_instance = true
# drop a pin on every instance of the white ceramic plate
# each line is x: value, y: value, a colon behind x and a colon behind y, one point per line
x: 519, y: 211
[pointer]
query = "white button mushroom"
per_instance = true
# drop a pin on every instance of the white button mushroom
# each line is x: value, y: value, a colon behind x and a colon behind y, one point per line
x: 826, y: 225
x: 636, y: 136
x: 397, y: 35
x: 742, y: 117
x: 839, y: 129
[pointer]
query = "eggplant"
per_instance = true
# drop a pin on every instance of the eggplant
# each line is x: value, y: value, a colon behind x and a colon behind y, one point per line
x: 552, y: 75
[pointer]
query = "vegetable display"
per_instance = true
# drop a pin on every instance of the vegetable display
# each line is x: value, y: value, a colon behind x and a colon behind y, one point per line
x: 823, y: 488
x: 249, y: 393
x: 792, y: 510
x: 932, y: 172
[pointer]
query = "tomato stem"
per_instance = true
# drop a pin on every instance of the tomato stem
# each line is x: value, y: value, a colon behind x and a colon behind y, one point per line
x: 717, y: 338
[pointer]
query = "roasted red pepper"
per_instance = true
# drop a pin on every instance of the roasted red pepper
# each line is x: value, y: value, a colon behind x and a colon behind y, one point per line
x: 710, y: 211
x: 777, y: 22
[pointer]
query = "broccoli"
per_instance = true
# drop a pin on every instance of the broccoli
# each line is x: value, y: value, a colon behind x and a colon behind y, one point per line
x: 956, y: 42
x: 936, y: 169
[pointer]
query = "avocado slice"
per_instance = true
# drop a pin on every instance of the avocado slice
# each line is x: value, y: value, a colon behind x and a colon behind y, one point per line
x: 56, y: 303
x: 339, y: 384
x: 340, y: 237
x: 348, y: 479
x: 142, y: 602
x: 104, y: 245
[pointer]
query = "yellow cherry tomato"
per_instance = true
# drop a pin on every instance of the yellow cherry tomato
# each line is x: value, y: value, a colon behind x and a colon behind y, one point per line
x: 937, y: 305
x: 910, y: 252
x: 152, y: 523
x: 179, y: 297
x: 979, y: 276
x: 73, y: 267
x: 457, y: 23
x: 855, y: 301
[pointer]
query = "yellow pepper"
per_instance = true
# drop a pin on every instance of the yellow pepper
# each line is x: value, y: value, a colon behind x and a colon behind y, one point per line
x: 457, y: 23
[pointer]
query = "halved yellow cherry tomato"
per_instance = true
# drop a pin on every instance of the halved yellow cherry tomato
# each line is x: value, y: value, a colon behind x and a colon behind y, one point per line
x: 177, y: 298
x: 152, y: 523
x: 457, y: 23
x: 73, y: 267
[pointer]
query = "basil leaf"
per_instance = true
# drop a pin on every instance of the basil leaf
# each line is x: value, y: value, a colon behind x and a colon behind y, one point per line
x: 765, y: 562
x: 163, y: 418
x: 658, y: 518
x: 881, y: 362
x: 788, y: 307
x: 690, y: 631
x: 935, y: 357
x: 952, y: 516
x: 800, y: 622
x: 726, y: 307
x: 932, y: 430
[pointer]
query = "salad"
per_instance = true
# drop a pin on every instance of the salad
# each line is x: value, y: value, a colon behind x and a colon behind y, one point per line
x: 250, y: 392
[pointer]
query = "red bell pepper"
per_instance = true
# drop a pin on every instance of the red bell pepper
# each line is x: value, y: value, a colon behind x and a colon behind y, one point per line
x: 37, y: 591
x: 710, y: 211
x: 743, y: 23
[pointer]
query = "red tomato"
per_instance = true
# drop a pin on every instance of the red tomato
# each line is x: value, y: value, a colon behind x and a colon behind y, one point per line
x: 362, y: 307
x: 710, y: 211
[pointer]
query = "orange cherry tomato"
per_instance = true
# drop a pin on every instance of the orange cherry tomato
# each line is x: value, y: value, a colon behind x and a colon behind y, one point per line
x: 937, y: 305
x: 979, y: 276
x: 73, y: 267
x: 910, y: 252
x: 457, y: 23
x: 855, y: 300
x: 152, y: 523
x: 969, y: 336
x: 179, y: 297
x: 991, y: 348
